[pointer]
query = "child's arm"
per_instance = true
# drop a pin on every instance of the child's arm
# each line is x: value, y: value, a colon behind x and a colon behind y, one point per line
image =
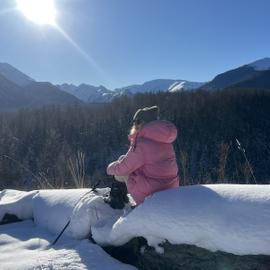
x: 128, y: 163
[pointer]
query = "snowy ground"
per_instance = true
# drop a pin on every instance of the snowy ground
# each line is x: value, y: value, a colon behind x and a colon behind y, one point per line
x: 23, y: 247
x: 26, y: 245
x: 230, y: 218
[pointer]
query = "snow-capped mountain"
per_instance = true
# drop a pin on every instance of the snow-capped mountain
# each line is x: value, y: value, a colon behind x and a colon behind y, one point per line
x: 90, y: 93
x: 161, y: 85
x: 184, y: 85
x: 253, y: 75
x: 14, y: 75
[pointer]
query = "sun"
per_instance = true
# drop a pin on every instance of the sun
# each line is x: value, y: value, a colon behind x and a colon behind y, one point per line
x: 39, y: 11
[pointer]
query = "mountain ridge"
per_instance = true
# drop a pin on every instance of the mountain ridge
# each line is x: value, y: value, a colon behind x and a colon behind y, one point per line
x: 237, y: 76
x: 90, y: 93
x: 19, y: 90
x: 15, y: 75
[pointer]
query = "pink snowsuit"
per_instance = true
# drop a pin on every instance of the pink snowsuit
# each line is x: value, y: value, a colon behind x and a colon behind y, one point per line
x: 150, y: 162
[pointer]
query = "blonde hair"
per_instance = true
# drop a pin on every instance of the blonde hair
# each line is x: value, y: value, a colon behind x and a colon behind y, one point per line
x: 135, y: 128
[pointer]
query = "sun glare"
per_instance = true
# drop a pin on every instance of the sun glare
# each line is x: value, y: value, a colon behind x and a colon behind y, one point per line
x: 38, y: 11
x: 43, y: 12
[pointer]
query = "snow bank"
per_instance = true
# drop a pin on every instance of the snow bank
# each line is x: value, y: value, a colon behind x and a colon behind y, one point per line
x: 17, y: 203
x: 230, y: 218
x: 22, y: 248
x: 89, y: 211
x: 52, y: 209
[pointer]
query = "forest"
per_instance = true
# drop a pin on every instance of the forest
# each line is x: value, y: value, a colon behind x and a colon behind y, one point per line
x: 71, y: 146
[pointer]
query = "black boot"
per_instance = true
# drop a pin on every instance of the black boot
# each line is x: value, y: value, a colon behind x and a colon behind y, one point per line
x: 118, y: 195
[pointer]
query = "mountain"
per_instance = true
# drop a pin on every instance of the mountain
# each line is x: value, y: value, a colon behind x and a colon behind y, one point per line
x: 45, y: 93
x: 14, y: 75
x: 259, y: 81
x: 11, y: 95
x: 262, y: 64
x: 90, y: 93
x: 252, y: 75
x: 161, y: 85
x: 17, y: 90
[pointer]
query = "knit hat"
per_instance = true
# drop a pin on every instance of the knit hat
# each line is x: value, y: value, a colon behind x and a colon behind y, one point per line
x: 146, y: 115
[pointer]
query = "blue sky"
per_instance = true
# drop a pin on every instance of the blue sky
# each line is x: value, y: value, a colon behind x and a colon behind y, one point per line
x: 124, y: 42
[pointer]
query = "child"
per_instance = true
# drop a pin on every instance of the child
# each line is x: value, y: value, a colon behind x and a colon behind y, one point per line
x: 150, y: 164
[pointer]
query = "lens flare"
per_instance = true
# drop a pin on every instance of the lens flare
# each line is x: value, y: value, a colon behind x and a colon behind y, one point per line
x: 39, y: 11
x: 43, y: 12
x: 79, y: 49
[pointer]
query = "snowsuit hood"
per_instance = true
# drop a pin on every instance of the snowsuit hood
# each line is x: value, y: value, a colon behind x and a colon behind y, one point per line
x: 159, y: 131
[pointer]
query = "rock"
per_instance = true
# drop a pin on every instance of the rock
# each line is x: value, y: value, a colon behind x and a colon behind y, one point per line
x: 184, y: 257
x: 9, y: 218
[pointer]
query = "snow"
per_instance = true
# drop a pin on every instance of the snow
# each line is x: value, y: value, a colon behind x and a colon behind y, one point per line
x: 262, y: 64
x: 90, y: 93
x: 230, y: 218
x: 87, y: 92
x: 90, y: 211
x: 51, y: 209
x: 23, y: 247
x: 18, y: 203
x: 160, y: 85
x: 177, y: 86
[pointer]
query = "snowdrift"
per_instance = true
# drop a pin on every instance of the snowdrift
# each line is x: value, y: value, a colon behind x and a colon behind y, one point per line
x: 23, y: 247
x: 17, y: 203
x: 230, y: 218
x: 53, y: 208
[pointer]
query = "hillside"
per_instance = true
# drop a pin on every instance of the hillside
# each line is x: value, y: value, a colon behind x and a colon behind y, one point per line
x: 45, y: 93
x: 11, y: 95
x: 259, y: 81
x: 252, y: 76
x: 32, y: 95
x: 14, y: 75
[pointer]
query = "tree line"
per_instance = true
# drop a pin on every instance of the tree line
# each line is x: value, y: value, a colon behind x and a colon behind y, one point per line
x: 70, y: 146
